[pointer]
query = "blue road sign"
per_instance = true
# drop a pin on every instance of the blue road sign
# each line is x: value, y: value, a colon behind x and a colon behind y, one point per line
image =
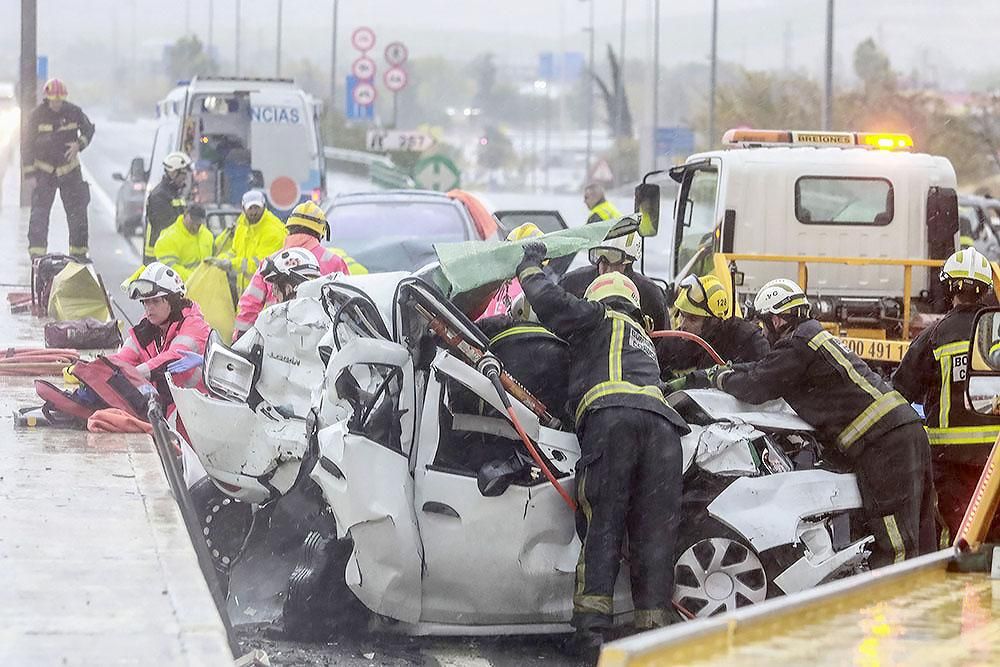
x: 42, y: 69
x: 567, y: 66
x: 353, y: 110
x: 674, y: 141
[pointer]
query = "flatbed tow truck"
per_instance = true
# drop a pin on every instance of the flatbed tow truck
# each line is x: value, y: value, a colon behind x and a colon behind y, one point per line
x: 938, y: 609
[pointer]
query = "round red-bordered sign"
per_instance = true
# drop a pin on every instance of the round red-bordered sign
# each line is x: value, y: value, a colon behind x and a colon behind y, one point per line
x: 363, y: 68
x: 364, y: 93
x: 395, y: 79
x: 396, y: 54
x: 363, y: 39
x: 284, y: 192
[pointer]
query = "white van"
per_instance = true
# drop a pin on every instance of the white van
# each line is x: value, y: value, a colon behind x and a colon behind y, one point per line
x: 243, y: 133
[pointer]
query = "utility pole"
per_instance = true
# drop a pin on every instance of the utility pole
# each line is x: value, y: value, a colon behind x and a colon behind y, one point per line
x: 28, y: 83
x: 333, y: 58
x: 828, y: 87
x: 656, y: 75
x: 713, y: 73
x: 211, y: 27
x: 620, y: 106
x: 236, y: 49
x: 277, y: 51
x: 590, y: 94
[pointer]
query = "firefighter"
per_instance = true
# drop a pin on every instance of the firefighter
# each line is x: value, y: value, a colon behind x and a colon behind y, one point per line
x: 629, y: 473
x: 166, y: 201
x: 600, y: 207
x: 185, y: 244
x: 172, y: 329
x: 56, y: 132
x: 258, y: 234
x: 703, y: 308
x: 306, y: 225
x: 933, y: 372
x: 849, y: 405
x: 619, y: 255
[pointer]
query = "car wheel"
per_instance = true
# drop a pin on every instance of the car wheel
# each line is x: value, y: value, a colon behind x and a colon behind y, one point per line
x: 225, y: 523
x: 716, y: 574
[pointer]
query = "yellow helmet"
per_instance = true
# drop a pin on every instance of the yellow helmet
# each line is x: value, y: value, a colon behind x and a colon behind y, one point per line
x: 610, y: 285
x: 309, y: 215
x: 528, y: 230
x: 704, y: 297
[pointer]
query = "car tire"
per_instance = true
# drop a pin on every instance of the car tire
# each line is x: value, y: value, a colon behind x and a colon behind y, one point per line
x: 225, y: 523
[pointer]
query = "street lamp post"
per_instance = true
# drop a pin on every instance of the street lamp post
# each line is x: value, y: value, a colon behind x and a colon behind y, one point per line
x: 828, y: 87
x: 277, y: 51
x: 333, y: 56
x: 656, y: 74
x: 590, y: 94
x: 713, y: 71
x: 236, y: 25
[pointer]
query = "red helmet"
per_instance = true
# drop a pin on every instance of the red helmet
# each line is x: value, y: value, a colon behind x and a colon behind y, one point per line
x: 55, y: 89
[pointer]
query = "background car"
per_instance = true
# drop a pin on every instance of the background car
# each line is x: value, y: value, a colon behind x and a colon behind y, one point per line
x: 395, y: 230
x: 130, y: 201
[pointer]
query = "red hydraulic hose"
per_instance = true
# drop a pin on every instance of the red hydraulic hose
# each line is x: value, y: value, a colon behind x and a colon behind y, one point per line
x: 691, y: 337
x: 538, y: 459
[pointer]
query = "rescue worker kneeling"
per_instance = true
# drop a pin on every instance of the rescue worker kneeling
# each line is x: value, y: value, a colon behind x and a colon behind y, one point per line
x: 834, y: 390
x: 932, y: 373
x: 629, y: 473
x: 703, y: 308
x: 171, y: 330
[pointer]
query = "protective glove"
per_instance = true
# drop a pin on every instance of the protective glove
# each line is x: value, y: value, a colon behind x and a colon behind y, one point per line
x: 677, y: 384
x: 224, y: 264
x: 709, y: 378
x: 534, y: 253
x: 187, y: 361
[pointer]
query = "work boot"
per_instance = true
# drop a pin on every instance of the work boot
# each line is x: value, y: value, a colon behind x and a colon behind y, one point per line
x: 79, y: 253
x: 585, y: 644
x: 37, y: 251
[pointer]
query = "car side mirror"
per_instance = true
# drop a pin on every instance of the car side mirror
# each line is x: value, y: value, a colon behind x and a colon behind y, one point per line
x: 647, y: 203
x: 137, y: 170
x: 256, y: 178
x: 118, y: 176
x: 982, y: 386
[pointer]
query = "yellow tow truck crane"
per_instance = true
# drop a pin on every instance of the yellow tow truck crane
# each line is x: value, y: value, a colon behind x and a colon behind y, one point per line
x: 861, y: 221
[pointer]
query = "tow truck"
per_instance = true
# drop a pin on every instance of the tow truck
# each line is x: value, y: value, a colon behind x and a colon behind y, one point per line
x: 860, y: 221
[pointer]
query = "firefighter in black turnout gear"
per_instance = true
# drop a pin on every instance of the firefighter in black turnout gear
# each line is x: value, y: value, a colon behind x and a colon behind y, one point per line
x: 57, y: 132
x: 166, y: 202
x: 850, y: 405
x: 933, y: 373
x: 629, y: 473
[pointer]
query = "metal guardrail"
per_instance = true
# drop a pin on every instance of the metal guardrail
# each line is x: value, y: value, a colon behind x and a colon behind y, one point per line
x: 389, y: 177
x: 355, y: 157
x: 380, y: 169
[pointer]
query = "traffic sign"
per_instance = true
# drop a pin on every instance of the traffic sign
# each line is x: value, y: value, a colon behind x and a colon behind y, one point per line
x: 674, y: 141
x: 353, y: 110
x: 364, y: 93
x: 363, y: 39
x: 396, y: 54
x: 395, y: 79
x: 436, y: 172
x: 363, y: 68
x: 379, y: 141
x: 602, y: 172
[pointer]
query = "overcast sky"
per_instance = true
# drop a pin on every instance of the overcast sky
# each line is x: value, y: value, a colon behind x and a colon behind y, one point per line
x: 952, y: 38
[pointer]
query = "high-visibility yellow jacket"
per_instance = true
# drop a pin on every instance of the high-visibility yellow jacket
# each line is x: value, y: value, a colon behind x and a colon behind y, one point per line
x: 181, y: 250
x: 252, y: 243
x: 604, y: 210
x: 354, y: 267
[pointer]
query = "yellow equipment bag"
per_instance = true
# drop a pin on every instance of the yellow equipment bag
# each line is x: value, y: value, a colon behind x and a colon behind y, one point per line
x: 209, y: 287
x: 77, y: 293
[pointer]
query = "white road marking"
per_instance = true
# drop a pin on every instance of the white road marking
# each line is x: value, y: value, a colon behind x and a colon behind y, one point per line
x: 102, y: 197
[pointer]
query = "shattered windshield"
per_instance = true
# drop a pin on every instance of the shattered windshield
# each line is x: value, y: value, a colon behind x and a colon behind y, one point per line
x: 391, y: 236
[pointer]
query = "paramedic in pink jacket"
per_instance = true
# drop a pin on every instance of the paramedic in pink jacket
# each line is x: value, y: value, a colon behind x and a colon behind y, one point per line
x: 306, y: 226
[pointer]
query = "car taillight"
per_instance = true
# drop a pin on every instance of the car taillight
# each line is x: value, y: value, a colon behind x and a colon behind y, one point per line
x: 138, y: 187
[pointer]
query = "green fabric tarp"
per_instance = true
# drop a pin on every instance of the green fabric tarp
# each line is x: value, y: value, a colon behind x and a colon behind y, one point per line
x: 76, y: 293
x: 473, y: 264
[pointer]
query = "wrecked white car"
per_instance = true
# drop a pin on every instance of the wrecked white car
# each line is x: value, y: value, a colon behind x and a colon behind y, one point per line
x: 435, y: 531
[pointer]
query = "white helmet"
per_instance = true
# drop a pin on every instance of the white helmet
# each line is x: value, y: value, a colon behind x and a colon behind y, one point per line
x: 967, y: 264
x: 176, y: 161
x: 156, y: 280
x: 295, y: 265
x: 779, y: 296
x: 627, y: 248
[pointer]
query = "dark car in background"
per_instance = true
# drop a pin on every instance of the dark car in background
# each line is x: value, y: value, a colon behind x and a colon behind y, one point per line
x: 395, y: 230
x: 130, y: 201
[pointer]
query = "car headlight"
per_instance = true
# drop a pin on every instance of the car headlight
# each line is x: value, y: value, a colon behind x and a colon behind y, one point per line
x: 227, y: 373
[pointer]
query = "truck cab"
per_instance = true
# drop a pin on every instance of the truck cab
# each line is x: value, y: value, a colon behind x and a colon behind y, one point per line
x: 857, y: 218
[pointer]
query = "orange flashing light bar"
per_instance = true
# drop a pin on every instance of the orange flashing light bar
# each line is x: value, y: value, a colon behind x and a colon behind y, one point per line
x: 877, y: 140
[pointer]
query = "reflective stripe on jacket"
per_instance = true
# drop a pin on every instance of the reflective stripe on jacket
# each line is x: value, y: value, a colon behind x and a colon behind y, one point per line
x: 604, y: 210
x: 826, y: 384
x: 181, y: 250
x: 252, y: 243
x: 259, y: 295
x: 151, y: 348
x: 613, y: 362
x: 933, y: 373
